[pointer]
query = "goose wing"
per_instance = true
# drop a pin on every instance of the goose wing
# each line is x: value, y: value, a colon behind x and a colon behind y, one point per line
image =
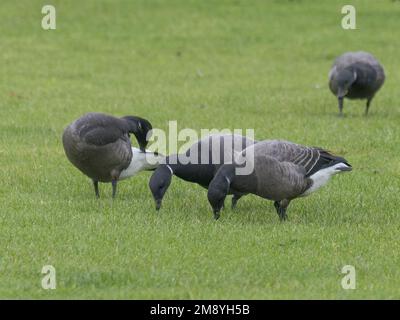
x: 99, y: 129
x: 285, y: 151
x: 116, y: 155
x: 98, y: 145
x: 311, y: 159
x: 349, y: 58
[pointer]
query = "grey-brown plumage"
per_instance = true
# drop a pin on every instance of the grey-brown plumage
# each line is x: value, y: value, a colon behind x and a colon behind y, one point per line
x: 356, y: 75
x: 282, y: 171
x: 100, y: 147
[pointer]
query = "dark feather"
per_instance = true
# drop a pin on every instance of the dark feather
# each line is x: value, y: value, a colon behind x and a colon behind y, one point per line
x: 326, y: 159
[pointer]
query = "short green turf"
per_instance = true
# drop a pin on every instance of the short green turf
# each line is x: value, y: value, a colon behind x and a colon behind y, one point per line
x: 206, y: 64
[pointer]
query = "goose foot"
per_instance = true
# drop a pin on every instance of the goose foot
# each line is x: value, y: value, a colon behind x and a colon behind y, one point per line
x: 216, y: 215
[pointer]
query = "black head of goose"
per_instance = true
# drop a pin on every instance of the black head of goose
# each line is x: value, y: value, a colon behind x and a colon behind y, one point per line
x: 356, y: 75
x: 99, y: 146
x: 198, y: 164
x: 282, y: 171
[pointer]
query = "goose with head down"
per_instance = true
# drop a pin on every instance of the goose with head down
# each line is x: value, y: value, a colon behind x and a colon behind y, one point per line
x: 198, y: 164
x: 282, y: 171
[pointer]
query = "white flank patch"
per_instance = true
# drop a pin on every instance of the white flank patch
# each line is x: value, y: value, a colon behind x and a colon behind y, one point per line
x: 321, y: 177
x: 140, y: 161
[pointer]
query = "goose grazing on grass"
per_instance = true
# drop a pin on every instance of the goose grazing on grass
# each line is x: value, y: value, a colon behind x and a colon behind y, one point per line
x: 198, y: 164
x: 99, y: 146
x: 356, y: 75
x: 282, y: 171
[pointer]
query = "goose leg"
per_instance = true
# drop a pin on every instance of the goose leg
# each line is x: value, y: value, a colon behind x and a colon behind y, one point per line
x: 277, y: 206
x: 284, y: 204
x: 340, y: 100
x: 280, y: 210
x: 282, y: 214
x: 281, y: 207
x: 114, y: 187
x: 235, y: 199
x: 96, y: 188
x: 367, y: 106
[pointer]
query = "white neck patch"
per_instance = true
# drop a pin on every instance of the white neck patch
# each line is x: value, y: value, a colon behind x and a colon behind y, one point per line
x: 170, y: 169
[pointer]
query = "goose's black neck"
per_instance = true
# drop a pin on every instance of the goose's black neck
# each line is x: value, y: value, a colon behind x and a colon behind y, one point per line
x: 192, y: 172
x: 228, y: 171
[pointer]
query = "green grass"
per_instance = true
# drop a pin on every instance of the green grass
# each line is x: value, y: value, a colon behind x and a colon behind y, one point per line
x: 206, y: 64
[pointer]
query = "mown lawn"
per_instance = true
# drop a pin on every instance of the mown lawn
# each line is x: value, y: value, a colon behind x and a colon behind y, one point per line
x: 206, y: 64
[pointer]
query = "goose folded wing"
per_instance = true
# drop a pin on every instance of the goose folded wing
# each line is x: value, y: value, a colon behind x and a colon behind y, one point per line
x: 99, y: 129
x: 325, y: 159
x: 302, y: 156
x: 101, y: 136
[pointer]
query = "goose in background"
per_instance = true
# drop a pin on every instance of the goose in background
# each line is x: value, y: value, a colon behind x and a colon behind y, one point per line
x: 99, y: 146
x: 282, y: 171
x: 201, y: 168
x: 356, y: 75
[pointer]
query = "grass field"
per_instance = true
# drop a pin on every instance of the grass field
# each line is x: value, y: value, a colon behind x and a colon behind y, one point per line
x: 206, y: 64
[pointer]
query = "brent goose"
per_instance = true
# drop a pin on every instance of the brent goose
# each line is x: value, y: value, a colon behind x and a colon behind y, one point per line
x: 282, y: 172
x: 99, y: 146
x: 356, y: 75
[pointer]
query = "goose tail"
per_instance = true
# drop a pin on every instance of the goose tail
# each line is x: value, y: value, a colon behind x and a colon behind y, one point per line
x: 338, y: 163
x: 329, y: 160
